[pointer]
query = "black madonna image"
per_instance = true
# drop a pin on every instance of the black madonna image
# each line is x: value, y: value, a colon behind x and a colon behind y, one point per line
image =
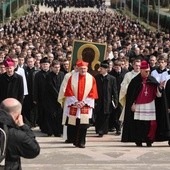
x: 90, y: 52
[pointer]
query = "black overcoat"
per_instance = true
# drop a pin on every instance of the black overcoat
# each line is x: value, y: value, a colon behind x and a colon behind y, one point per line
x: 107, y: 92
x: 11, y: 87
x: 29, y: 108
x: 53, y: 109
x: 40, y: 83
x: 52, y: 90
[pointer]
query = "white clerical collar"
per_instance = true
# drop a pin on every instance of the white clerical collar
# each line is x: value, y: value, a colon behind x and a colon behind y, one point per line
x: 104, y: 74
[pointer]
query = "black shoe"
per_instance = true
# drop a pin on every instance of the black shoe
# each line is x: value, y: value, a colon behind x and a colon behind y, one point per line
x: 67, y: 141
x: 81, y: 146
x: 100, y: 135
x: 111, y: 130
x: 118, y: 133
x: 57, y: 135
x: 169, y: 142
x: 139, y: 144
x: 75, y: 144
x: 149, y: 144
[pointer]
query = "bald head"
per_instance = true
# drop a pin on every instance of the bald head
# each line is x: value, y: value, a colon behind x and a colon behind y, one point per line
x: 11, y: 106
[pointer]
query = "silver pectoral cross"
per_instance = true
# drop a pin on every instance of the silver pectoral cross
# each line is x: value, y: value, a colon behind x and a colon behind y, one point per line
x: 146, y: 92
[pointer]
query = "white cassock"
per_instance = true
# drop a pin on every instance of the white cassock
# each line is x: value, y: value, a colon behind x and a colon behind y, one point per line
x: 123, y: 90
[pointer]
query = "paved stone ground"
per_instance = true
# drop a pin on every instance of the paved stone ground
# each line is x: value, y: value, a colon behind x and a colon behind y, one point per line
x: 106, y: 153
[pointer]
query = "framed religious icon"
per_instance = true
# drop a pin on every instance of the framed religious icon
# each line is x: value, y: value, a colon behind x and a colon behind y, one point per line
x: 90, y: 52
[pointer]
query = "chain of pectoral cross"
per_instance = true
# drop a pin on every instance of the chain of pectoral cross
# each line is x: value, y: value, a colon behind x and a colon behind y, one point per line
x: 146, y: 89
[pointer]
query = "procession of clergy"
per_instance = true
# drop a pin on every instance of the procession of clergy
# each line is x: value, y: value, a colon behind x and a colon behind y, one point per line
x: 138, y: 100
x: 143, y: 95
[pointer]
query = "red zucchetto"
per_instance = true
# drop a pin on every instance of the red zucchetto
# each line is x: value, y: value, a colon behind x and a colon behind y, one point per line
x: 81, y: 63
x: 9, y: 63
x: 144, y: 65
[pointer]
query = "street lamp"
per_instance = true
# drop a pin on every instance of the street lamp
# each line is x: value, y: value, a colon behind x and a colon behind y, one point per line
x: 124, y: 6
x: 139, y: 11
x: 120, y: 5
x: 2, y: 7
x: 131, y: 8
x: 3, y: 12
x: 158, y: 14
x: 10, y: 10
x: 148, y: 13
x: 17, y: 4
x: 116, y: 4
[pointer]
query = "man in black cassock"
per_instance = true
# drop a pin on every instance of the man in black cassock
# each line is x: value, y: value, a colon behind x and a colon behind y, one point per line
x: 167, y: 94
x: 29, y: 110
x: 146, y: 118
x: 40, y: 83
x: 119, y: 73
x: 167, y: 90
x: 53, y: 107
x: 107, y: 95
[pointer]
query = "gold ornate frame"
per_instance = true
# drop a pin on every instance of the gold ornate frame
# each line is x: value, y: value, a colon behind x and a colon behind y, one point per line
x: 79, y: 46
x: 96, y: 50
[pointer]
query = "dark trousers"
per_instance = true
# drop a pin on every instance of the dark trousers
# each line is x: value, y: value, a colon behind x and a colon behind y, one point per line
x: 101, y: 123
x: 71, y: 131
x: 80, y: 138
x: 54, y: 123
x: 29, y: 111
x: 80, y: 133
x: 114, y: 118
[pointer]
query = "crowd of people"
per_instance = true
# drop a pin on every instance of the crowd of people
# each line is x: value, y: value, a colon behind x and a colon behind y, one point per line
x: 71, y: 3
x: 35, y: 55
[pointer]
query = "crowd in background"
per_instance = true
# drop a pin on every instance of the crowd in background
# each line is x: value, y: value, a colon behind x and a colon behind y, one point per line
x: 72, y: 3
x: 51, y: 32
x: 61, y: 4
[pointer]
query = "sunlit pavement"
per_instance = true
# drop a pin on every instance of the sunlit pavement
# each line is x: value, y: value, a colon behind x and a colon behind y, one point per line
x: 106, y: 153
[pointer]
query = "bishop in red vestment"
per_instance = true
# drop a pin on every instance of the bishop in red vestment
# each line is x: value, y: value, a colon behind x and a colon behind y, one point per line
x: 80, y: 93
x: 141, y: 123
